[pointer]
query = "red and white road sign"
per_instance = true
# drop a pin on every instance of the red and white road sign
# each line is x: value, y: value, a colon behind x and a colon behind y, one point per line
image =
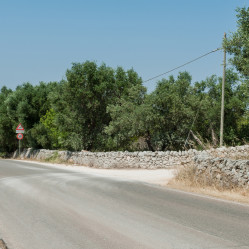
x: 19, y: 129
x: 19, y: 136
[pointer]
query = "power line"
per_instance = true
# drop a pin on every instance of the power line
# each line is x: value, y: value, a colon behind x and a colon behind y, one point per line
x: 183, y: 64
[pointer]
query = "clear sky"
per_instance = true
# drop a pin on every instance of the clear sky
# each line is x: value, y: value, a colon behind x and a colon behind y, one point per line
x: 40, y: 39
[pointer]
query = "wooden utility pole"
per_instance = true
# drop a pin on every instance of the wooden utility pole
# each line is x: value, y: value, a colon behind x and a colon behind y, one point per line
x: 222, y: 97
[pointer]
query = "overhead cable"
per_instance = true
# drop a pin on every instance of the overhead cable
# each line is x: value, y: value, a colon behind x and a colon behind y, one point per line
x: 182, y: 65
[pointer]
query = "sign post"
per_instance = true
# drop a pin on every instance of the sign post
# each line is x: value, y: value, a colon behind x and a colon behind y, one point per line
x: 19, y: 136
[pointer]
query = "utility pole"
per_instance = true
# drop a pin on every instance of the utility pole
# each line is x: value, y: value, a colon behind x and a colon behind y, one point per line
x: 222, y: 97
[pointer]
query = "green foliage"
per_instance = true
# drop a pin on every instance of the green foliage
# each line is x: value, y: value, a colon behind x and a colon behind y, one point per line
x: 53, y: 131
x: 129, y: 119
x: 175, y: 105
x: 26, y: 105
x: 165, y: 117
x: 89, y: 89
x: 236, y: 104
x: 3, y: 154
x: 53, y: 158
x: 7, y: 143
x: 237, y: 43
x: 99, y: 108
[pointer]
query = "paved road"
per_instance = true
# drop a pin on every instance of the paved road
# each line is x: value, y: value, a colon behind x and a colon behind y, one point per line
x: 43, y: 207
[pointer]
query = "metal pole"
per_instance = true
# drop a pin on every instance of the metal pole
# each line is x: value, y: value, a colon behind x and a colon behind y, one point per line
x: 222, y: 97
x: 19, y: 143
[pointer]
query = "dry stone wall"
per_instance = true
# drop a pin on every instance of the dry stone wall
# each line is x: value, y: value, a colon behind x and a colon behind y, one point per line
x: 224, y: 171
x: 145, y: 159
x: 227, y: 165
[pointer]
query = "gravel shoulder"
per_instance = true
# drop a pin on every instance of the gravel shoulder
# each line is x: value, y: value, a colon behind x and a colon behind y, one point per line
x: 158, y: 176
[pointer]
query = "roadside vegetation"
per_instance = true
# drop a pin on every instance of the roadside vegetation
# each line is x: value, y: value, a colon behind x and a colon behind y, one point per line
x: 2, y: 244
x: 54, y: 158
x: 188, y: 178
x: 99, y: 108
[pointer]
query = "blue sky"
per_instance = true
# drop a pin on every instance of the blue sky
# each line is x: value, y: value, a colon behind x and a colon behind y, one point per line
x: 40, y: 39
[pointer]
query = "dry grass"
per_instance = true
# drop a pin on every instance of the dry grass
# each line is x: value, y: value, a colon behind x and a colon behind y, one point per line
x: 2, y: 244
x: 52, y: 160
x: 188, y: 179
x: 241, y: 157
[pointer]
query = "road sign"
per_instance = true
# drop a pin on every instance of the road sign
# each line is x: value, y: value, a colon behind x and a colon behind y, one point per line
x: 19, y: 129
x: 19, y: 136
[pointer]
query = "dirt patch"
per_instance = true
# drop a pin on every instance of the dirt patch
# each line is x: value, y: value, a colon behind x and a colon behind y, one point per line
x: 2, y: 244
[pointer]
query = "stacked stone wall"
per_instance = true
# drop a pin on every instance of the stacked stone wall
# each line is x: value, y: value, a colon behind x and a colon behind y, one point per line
x: 224, y: 171
x: 145, y: 159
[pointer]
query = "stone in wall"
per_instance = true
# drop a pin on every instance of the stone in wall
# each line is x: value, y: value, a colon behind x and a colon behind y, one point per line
x: 222, y: 166
x: 227, y: 172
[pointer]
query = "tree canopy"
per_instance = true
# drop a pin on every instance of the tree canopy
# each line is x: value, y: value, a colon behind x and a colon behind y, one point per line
x: 237, y: 43
x: 99, y: 108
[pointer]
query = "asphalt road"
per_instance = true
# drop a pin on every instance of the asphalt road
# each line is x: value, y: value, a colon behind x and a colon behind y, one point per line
x: 43, y: 207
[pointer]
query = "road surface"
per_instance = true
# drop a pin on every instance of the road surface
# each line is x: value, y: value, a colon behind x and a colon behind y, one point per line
x: 43, y: 207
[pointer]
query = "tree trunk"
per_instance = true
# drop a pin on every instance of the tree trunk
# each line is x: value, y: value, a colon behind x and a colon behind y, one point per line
x: 148, y: 141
